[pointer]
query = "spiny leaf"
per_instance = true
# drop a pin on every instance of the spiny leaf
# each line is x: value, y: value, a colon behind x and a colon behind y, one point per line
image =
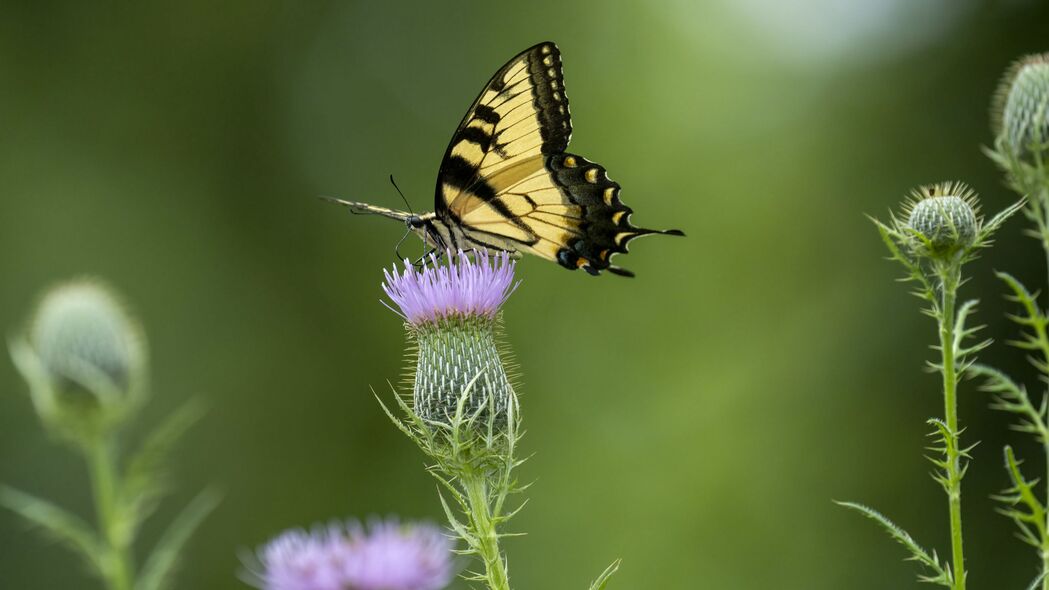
x: 893, y: 240
x: 144, y: 480
x: 58, y: 524
x: 1033, y: 319
x: 942, y: 576
x: 159, y: 567
x: 1022, y: 493
x: 1012, y: 397
x: 996, y: 222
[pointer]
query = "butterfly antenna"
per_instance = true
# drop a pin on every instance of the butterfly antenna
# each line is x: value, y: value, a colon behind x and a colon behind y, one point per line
x: 422, y: 259
x: 406, y: 204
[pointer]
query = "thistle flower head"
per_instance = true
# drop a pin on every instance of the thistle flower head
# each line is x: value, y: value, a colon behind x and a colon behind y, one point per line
x: 944, y: 217
x: 463, y: 287
x: 1021, y: 106
x: 83, y: 356
x: 80, y: 331
x: 386, y: 556
x: 451, y: 311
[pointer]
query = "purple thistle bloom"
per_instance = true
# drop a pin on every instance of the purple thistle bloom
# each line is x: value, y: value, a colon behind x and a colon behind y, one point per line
x: 463, y: 287
x: 393, y: 557
x: 386, y: 556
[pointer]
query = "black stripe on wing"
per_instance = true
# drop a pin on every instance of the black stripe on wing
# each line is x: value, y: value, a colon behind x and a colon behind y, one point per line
x: 549, y: 98
x: 605, y: 226
x: 536, y: 71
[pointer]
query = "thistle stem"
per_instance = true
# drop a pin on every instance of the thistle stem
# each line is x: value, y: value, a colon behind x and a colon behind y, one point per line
x: 1045, y: 540
x: 1040, y: 201
x: 101, y: 458
x: 950, y: 278
x: 483, y: 524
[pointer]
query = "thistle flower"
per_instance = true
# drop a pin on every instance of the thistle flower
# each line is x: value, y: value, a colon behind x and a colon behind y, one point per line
x: 83, y: 356
x: 452, y: 314
x: 944, y: 218
x: 464, y: 413
x: 1020, y: 116
x: 386, y: 556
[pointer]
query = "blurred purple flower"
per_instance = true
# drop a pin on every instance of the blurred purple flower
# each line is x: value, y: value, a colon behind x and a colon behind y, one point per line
x: 387, y: 555
x: 391, y: 556
x: 462, y: 287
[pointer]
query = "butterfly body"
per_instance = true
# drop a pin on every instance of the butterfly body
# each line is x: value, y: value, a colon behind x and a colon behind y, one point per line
x: 507, y: 184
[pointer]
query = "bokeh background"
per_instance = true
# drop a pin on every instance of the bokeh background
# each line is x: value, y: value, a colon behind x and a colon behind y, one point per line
x: 696, y: 421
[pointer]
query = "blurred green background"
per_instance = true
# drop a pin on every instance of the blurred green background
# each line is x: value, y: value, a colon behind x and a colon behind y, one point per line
x: 696, y: 421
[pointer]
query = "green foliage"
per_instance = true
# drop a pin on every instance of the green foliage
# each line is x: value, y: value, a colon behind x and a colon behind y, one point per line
x: 86, y: 405
x: 942, y: 233
x: 1021, y: 124
x: 938, y: 572
x: 1021, y: 503
x: 474, y: 454
x: 474, y: 457
x: 56, y: 523
x: 158, y: 571
x: 602, y: 580
x: 1012, y: 397
x: 1033, y: 321
x: 145, y: 479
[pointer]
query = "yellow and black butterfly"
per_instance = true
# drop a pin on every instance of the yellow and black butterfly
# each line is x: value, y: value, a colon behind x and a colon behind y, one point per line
x: 506, y: 183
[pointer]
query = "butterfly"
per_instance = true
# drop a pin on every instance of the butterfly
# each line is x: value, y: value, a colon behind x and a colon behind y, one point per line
x: 507, y: 184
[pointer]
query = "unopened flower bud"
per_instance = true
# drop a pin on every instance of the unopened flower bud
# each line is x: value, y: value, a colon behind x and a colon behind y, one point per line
x: 1021, y: 110
x: 945, y: 216
x: 84, y: 358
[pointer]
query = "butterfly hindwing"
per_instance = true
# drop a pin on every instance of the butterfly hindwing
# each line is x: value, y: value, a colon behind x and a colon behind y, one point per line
x: 568, y: 211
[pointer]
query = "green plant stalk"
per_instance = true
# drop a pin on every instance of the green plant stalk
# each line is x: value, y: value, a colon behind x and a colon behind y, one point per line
x: 1038, y: 212
x: 481, y: 517
x: 101, y: 458
x: 950, y: 279
x: 1042, y: 219
x: 1044, y: 549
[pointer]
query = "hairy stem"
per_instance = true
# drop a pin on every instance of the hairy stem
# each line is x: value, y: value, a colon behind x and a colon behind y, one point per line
x: 483, y: 524
x: 1042, y: 219
x: 102, y: 465
x: 1044, y: 549
x: 950, y: 279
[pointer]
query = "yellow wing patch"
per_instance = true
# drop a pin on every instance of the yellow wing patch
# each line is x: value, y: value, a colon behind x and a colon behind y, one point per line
x: 529, y: 209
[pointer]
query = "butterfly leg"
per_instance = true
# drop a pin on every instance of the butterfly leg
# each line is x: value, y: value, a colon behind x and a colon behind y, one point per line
x: 421, y: 262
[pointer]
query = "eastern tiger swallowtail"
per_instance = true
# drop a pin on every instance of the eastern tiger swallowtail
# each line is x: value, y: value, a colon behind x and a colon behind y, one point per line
x: 506, y: 182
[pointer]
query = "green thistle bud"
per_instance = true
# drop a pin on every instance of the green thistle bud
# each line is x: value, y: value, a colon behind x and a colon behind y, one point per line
x: 455, y: 354
x: 1021, y: 103
x: 83, y: 357
x: 944, y: 218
